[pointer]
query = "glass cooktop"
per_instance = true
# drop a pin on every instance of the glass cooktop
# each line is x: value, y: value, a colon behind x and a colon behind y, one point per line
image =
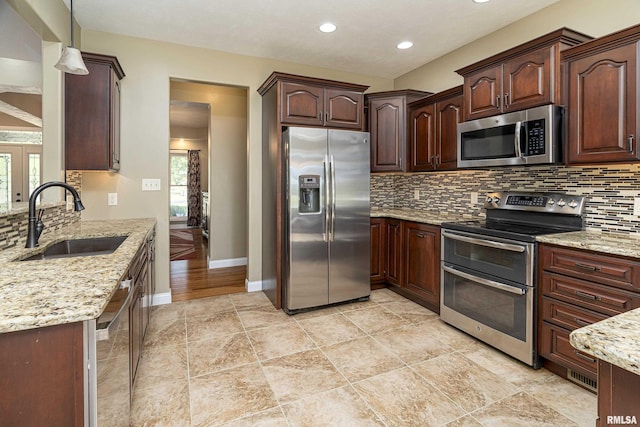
x: 506, y: 230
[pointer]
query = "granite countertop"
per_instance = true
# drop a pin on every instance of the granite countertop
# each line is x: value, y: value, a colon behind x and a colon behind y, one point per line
x: 615, y: 340
x: 597, y: 241
x: 426, y: 217
x: 50, y: 292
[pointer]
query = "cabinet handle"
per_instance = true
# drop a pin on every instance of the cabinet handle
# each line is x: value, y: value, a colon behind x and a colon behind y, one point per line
x: 630, y: 142
x: 586, y: 295
x: 581, y: 322
x: 498, y: 102
x: 421, y: 235
x: 326, y: 116
x: 583, y: 357
x: 587, y: 267
x: 506, y: 100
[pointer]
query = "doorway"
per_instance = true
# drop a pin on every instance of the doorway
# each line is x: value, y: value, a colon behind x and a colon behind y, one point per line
x: 208, y: 136
x: 20, y: 167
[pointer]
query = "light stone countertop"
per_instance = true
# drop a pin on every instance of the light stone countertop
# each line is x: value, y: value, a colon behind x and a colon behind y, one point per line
x: 597, y: 241
x: 615, y: 340
x: 50, y: 292
x: 426, y: 217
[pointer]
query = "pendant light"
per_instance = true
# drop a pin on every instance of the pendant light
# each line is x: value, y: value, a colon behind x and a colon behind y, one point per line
x: 71, y: 59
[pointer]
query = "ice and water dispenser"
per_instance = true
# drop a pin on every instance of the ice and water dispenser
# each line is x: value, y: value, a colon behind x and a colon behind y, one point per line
x: 309, y: 200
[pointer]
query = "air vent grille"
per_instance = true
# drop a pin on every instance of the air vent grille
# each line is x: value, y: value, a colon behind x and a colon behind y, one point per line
x: 583, y: 380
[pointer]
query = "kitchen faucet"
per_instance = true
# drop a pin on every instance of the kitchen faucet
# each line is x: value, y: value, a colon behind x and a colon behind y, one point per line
x: 35, y: 225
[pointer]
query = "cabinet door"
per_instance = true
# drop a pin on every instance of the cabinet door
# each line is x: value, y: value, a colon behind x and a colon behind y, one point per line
x: 527, y: 80
x: 377, y: 250
x: 302, y: 104
x: 422, y: 138
x: 114, y: 134
x: 135, y: 331
x: 422, y: 262
x: 482, y: 92
x: 602, y: 107
x: 344, y: 109
x: 393, y: 256
x: 448, y: 115
x: 387, y: 128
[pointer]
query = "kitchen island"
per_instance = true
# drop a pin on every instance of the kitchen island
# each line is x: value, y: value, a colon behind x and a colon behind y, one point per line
x: 48, y: 307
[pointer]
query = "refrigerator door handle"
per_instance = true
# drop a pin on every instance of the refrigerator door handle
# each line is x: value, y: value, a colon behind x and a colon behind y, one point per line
x: 332, y: 167
x: 326, y: 231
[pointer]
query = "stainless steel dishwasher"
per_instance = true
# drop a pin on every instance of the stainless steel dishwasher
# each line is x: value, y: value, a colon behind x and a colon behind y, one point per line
x: 107, y: 384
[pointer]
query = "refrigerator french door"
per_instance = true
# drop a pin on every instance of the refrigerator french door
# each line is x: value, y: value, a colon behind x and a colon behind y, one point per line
x: 327, y: 231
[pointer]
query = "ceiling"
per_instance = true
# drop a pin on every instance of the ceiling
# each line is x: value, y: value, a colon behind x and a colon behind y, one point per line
x: 189, y: 114
x: 287, y: 30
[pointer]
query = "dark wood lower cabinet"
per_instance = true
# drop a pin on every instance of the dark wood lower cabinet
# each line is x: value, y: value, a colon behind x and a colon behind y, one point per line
x: 377, y: 250
x: 393, y: 252
x: 42, y: 377
x: 617, y: 396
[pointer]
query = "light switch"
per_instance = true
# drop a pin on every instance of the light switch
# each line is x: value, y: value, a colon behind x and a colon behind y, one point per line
x: 112, y: 199
x: 149, y: 184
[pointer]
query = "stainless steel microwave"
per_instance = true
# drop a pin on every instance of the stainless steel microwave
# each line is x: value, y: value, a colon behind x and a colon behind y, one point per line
x: 526, y: 137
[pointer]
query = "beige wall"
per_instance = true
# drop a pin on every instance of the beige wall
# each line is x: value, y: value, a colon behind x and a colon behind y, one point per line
x: 593, y: 17
x: 149, y: 66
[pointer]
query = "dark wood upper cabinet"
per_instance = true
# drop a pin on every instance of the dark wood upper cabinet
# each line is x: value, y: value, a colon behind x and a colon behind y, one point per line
x: 387, y: 126
x: 433, y: 124
x: 602, y: 99
x: 92, y: 115
x: 522, y: 77
x: 307, y: 101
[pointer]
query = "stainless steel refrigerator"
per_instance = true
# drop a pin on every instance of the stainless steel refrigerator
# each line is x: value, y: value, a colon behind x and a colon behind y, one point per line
x: 327, y: 232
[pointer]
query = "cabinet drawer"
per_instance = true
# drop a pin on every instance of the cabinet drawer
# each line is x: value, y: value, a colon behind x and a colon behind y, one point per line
x: 567, y: 315
x: 602, y: 299
x: 555, y: 346
x: 594, y: 267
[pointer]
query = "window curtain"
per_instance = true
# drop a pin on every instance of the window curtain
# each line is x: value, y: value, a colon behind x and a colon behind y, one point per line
x: 194, y: 195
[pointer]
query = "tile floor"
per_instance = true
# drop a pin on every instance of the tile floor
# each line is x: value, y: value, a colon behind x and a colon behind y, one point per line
x: 234, y: 360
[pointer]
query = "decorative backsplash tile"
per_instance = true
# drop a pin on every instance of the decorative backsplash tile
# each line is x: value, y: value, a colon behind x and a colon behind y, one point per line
x: 13, y: 228
x: 610, y: 191
x: 74, y: 179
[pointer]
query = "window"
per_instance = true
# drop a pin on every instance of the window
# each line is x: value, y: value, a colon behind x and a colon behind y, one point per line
x: 178, y: 185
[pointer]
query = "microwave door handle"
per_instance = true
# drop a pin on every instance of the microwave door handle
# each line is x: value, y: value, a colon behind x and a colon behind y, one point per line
x: 482, y: 242
x: 485, y: 282
x: 517, y: 139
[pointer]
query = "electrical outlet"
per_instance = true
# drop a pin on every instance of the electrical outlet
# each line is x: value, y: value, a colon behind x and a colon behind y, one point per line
x: 636, y: 206
x: 149, y: 184
x: 474, y: 199
x: 416, y: 194
x: 112, y: 199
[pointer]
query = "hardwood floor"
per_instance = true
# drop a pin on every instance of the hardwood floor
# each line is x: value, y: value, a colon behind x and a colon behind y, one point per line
x: 191, y: 279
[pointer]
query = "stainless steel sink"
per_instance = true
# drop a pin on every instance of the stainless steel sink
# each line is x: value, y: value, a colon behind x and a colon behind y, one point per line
x: 79, y: 247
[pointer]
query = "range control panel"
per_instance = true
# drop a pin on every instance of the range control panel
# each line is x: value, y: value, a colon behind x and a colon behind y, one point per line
x: 536, y: 202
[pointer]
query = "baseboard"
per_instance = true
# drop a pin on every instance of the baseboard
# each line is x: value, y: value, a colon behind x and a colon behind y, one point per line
x: 253, y: 286
x: 161, y: 299
x: 232, y: 262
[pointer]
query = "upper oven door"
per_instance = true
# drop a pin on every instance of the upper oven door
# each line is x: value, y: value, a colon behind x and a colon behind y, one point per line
x: 506, y: 259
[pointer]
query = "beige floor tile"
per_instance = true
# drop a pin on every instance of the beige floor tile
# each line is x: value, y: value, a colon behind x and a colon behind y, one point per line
x: 269, y: 418
x: 164, y: 405
x: 167, y: 312
x: 243, y: 301
x: 466, y: 421
x: 162, y: 364
x: 410, y: 311
x: 466, y: 383
x: 521, y: 410
x: 302, y: 374
x: 356, y: 306
x: 451, y: 336
x: 403, y: 398
x: 206, y: 306
x: 338, y: 407
x: 230, y: 394
x: 569, y: 399
x: 384, y: 295
x: 375, y: 319
x: 263, y: 316
x: 224, y: 352
x: 413, y: 343
x: 212, y: 326
x: 279, y: 340
x: 316, y: 313
x: 361, y: 358
x: 168, y: 328
x: 327, y: 330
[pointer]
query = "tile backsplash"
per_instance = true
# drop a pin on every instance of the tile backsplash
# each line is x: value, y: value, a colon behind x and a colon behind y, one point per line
x: 13, y: 227
x: 609, y: 191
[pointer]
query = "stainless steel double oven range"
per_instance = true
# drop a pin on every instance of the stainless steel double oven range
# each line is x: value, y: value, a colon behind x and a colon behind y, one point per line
x: 488, y: 285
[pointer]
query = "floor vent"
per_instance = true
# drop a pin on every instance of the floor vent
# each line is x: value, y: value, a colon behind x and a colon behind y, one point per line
x: 582, y: 380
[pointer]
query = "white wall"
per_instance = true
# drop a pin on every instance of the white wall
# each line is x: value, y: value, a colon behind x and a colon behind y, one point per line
x: 149, y: 66
x: 592, y: 17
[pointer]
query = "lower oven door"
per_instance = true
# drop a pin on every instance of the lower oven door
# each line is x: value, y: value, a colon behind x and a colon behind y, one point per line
x: 499, y: 313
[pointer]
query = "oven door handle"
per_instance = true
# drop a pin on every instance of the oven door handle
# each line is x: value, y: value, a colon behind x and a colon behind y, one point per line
x: 482, y: 242
x: 486, y: 282
x: 107, y: 332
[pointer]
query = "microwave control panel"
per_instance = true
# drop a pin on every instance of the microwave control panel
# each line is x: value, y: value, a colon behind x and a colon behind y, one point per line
x: 535, y: 137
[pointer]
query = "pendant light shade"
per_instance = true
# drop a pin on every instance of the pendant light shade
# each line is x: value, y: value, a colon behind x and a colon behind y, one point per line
x: 71, y: 59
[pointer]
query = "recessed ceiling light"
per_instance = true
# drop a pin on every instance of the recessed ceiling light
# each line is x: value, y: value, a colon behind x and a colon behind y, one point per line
x: 404, y: 45
x: 327, y: 28
x: 480, y: 1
